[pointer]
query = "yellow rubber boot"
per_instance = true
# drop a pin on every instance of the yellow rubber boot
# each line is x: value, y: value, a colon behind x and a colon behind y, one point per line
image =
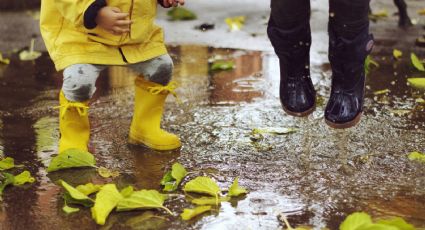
x: 73, y: 124
x: 148, y: 108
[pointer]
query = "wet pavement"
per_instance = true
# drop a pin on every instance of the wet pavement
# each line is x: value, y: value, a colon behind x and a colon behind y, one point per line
x: 315, y: 176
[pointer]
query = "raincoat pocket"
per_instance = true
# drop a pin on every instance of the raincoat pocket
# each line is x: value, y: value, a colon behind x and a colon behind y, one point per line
x: 100, y: 35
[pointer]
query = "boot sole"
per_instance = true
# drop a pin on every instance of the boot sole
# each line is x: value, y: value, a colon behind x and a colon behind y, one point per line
x: 143, y: 142
x: 345, y: 125
x: 300, y: 114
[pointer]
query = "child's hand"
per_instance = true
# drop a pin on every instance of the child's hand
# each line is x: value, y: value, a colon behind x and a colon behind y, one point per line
x: 169, y: 3
x: 113, y: 20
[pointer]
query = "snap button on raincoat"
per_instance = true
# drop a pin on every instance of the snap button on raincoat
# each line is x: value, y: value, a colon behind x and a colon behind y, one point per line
x: 69, y: 42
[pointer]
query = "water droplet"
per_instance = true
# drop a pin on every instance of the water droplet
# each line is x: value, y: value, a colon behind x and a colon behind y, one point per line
x: 331, y: 14
x: 393, y: 83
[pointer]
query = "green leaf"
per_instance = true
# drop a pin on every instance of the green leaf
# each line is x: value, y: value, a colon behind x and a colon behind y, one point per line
x: 74, y: 196
x: 4, y: 60
x: 7, y: 163
x: 143, y: 199
x: 89, y: 188
x: 71, y: 158
x: 69, y: 210
x: 416, y: 62
x: 106, y: 173
x: 22, y: 178
x: 418, y: 83
x: 178, y: 172
x: 172, y: 179
x: 209, y: 200
x: 376, y: 227
x: 356, y: 221
x: 181, y: 13
x: 106, y: 200
x: 167, y: 178
x: 127, y: 191
x: 235, y: 23
x: 9, y: 178
x: 417, y: 156
x: 380, y: 92
x: 397, y: 222
x: 369, y: 62
x: 190, y: 213
x: 29, y: 55
x: 235, y: 189
x: 204, y: 185
x: 274, y: 130
x: 397, y: 53
x: 222, y: 65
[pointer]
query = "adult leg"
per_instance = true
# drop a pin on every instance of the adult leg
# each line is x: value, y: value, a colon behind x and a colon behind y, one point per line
x: 152, y: 88
x: 78, y: 87
x: 289, y: 33
x: 404, y: 19
x: 349, y: 45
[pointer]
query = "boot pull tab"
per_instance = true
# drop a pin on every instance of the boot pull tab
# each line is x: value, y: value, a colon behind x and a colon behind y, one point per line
x: 170, y: 88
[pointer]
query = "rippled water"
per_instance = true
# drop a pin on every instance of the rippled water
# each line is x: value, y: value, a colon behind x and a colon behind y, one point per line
x: 315, y: 176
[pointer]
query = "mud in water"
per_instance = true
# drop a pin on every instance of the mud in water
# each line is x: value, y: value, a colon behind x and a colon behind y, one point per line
x: 315, y: 176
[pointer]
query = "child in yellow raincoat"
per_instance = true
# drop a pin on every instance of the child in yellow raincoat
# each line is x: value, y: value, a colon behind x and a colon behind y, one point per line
x: 83, y: 37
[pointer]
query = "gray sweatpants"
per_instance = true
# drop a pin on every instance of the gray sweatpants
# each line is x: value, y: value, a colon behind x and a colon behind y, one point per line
x: 79, y: 80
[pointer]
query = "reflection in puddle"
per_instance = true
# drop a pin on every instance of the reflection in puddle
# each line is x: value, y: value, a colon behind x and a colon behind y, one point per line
x: 219, y: 111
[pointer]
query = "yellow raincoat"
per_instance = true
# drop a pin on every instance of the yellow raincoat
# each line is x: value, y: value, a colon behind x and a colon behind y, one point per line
x: 69, y: 42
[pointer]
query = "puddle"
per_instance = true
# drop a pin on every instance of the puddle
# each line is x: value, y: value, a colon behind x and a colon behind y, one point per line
x: 315, y: 176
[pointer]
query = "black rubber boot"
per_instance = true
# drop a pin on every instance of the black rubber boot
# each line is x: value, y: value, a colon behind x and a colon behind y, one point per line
x: 292, y: 46
x: 347, y: 57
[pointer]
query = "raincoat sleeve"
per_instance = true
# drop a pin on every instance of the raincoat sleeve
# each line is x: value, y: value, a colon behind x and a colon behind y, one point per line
x: 73, y: 10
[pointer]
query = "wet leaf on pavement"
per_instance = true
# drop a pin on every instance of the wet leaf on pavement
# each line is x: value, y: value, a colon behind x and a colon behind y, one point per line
x: 74, y: 196
x: 143, y: 199
x: 369, y: 62
x: 7, y: 163
x: 203, y: 185
x: 235, y: 23
x: 418, y: 83
x: 22, y: 178
x: 274, y: 131
x: 380, y: 92
x: 180, y: 13
x: 7, y: 181
x: 356, y: 221
x: 106, y: 173
x: 190, y: 213
x: 417, y: 156
x: 4, y: 60
x: 416, y: 62
x: 397, y: 53
x: 209, y: 200
x: 71, y: 158
x: 88, y: 188
x: 106, y: 200
x: 378, y: 15
x: 30, y: 54
x: 127, y: 191
x: 397, y: 222
x: 68, y: 210
x: 172, y: 179
x: 222, y: 65
x: 235, y: 189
